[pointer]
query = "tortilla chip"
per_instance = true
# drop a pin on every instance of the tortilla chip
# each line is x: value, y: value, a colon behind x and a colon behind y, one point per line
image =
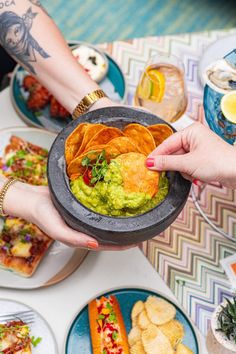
x: 136, y: 176
x: 141, y: 137
x: 74, y: 141
x: 90, y: 131
x: 160, y: 132
x: 124, y: 144
x: 104, y: 136
x: 75, y: 168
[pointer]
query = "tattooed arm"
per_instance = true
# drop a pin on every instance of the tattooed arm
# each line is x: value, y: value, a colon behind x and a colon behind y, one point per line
x: 32, y: 38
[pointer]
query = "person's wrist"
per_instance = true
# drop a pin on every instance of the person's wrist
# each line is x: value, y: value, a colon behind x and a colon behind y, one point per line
x: 18, y: 200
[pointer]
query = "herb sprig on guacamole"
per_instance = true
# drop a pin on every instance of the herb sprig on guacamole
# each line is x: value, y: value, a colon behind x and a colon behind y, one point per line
x: 95, y: 170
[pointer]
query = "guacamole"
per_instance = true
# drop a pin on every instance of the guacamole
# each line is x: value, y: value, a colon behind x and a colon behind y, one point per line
x: 109, y: 197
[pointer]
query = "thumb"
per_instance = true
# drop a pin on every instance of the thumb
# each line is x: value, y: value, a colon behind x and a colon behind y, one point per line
x: 169, y: 163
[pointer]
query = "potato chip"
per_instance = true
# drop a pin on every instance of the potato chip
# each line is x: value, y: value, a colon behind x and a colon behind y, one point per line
x: 143, y: 320
x: 75, y: 168
x: 124, y: 144
x: 141, y: 136
x: 90, y: 131
x: 174, y: 330
x: 182, y: 349
x: 74, y: 141
x: 103, y: 136
x: 137, y: 309
x: 136, y: 176
x: 159, y: 310
x: 134, y: 335
x: 137, y: 348
x: 160, y: 132
x: 155, y: 342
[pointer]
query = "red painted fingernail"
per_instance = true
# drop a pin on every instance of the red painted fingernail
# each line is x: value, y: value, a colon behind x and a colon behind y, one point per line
x: 150, y: 162
x: 92, y: 244
x: 196, y: 182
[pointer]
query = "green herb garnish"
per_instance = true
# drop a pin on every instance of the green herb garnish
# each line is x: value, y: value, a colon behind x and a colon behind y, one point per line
x: 29, y: 164
x: 114, y: 335
x: 21, y: 154
x: 112, y: 318
x: 98, y: 168
x: 35, y: 341
x: 10, y: 161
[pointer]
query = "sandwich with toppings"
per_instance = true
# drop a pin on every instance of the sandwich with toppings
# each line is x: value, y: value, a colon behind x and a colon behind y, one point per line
x: 108, y: 333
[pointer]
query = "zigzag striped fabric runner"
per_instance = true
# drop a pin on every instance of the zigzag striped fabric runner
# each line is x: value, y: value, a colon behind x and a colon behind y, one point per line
x: 187, y: 255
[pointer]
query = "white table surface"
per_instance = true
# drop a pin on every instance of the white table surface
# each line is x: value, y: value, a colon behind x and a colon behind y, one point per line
x: 99, y: 272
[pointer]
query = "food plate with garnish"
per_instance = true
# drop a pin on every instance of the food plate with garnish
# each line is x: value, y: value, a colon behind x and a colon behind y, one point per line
x: 99, y: 181
x: 37, y: 107
x: 28, y: 257
x: 24, y: 330
x: 131, y: 321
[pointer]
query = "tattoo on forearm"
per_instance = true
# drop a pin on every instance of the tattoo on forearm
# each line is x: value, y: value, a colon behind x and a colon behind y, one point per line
x: 6, y: 3
x: 16, y: 38
x: 38, y: 3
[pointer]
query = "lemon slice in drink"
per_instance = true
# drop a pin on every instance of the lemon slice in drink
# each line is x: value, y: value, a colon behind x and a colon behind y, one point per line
x: 145, y: 88
x: 228, y: 106
x: 158, y: 84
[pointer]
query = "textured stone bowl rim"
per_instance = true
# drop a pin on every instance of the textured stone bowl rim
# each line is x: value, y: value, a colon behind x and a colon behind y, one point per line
x: 157, y: 216
x: 219, y: 336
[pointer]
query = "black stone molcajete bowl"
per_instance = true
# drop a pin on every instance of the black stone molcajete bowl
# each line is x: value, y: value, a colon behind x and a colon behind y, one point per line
x: 106, y: 229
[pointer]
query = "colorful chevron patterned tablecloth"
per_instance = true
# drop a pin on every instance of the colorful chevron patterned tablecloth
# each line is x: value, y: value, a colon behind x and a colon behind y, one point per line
x: 187, y: 255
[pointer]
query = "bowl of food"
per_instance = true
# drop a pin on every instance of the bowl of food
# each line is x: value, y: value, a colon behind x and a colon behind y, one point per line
x: 100, y: 184
x: 93, y: 60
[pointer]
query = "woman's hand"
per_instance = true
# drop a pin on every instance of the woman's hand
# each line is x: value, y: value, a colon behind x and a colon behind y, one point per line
x: 197, y: 153
x: 34, y: 204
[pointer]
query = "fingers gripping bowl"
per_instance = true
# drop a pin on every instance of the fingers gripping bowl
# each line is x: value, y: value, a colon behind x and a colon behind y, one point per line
x: 116, y: 230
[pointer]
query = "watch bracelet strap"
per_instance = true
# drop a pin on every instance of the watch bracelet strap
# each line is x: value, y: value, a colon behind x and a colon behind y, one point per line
x: 3, y: 193
x: 87, y: 102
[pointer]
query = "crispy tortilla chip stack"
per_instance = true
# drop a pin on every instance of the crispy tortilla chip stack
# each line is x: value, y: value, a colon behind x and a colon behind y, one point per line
x: 90, y: 139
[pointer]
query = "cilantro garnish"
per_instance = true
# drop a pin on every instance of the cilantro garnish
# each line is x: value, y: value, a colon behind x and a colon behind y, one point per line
x: 108, y: 306
x: 21, y: 154
x: 114, y: 335
x: 29, y: 164
x: 98, y: 168
x: 10, y: 161
x: 35, y: 341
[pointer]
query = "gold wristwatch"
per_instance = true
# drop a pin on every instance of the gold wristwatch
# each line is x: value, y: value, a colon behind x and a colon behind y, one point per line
x: 87, y: 102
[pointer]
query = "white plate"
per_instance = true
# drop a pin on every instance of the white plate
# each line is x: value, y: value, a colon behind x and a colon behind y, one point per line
x: 39, y: 328
x: 60, y: 260
x: 215, y: 51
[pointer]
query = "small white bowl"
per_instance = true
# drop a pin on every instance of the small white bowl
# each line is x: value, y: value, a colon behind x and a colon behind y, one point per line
x: 93, y: 60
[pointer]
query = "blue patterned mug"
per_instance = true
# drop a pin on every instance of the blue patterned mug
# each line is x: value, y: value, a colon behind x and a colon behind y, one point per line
x: 214, y: 91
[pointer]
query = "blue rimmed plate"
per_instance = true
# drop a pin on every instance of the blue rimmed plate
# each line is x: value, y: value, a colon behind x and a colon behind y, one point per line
x: 78, y: 338
x: 113, y: 84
